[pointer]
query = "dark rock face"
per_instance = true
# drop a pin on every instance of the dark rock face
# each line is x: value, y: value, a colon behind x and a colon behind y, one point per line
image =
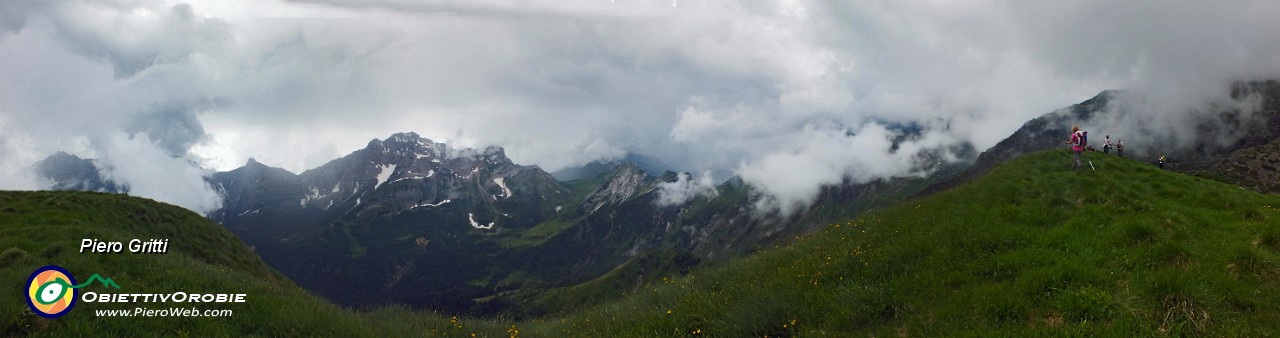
x: 1254, y: 167
x: 1253, y: 161
x: 622, y: 183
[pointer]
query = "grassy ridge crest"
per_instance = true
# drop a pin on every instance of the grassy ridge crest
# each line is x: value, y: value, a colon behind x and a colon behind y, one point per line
x: 1032, y: 248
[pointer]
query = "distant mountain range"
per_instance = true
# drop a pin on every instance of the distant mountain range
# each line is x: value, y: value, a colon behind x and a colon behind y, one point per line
x: 410, y: 221
x: 406, y: 220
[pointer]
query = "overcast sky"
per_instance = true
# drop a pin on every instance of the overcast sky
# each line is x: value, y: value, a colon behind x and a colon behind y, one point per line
x: 788, y: 94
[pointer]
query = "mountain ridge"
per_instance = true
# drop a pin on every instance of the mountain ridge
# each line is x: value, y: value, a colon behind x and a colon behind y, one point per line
x: 361, y: 215
x: 1030, y: 248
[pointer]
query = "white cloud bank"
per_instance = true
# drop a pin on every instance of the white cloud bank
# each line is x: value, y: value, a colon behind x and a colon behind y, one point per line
x: 686, y: 188
x: 151, y: 172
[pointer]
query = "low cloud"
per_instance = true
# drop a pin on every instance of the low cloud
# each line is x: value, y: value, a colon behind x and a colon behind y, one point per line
x: 685, y: 189
x: 16, y: 160
x: 827, y: 154
x: 1151, y: 122
x: 151, y: 172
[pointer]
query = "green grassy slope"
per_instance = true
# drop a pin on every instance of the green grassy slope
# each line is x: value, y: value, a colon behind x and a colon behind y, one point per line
x: 1031, y: 249
x: 42, y: 228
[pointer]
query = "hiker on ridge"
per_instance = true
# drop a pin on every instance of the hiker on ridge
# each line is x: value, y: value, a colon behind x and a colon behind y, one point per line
x: 1106, y: 145
x: 1160, y: 162
x: 1120, y: 148
x: 1077, y: 145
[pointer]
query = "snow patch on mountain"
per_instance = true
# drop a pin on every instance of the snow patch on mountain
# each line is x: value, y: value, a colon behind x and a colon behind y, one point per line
x: 506, y: 193
x: 312, y: 195
x: 423, y: 205
x: 429, y: 174
x: 384, y: 172
x: 468, y: 175
x: 472, y: 217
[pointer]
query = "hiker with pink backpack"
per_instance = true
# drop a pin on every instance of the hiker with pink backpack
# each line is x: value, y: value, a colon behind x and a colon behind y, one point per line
x: 1079, y: 141
x: 1077, y: 145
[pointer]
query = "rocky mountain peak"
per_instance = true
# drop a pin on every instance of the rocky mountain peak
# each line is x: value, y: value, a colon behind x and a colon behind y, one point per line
x: 61, y: 156
x: 496, y: 155
x: 406, y: 138
x: 65, y: 171
x: 408, y: 145
x: 619, y: 185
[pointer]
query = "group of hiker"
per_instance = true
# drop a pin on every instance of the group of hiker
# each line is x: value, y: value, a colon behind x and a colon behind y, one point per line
x: 1079, y: 142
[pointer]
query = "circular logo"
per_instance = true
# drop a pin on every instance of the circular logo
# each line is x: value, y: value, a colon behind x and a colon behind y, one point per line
x: 49, y: 291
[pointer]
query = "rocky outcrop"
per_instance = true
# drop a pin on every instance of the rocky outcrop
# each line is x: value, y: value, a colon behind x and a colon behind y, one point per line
x: 63, y: 171
x: 622, y: 183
